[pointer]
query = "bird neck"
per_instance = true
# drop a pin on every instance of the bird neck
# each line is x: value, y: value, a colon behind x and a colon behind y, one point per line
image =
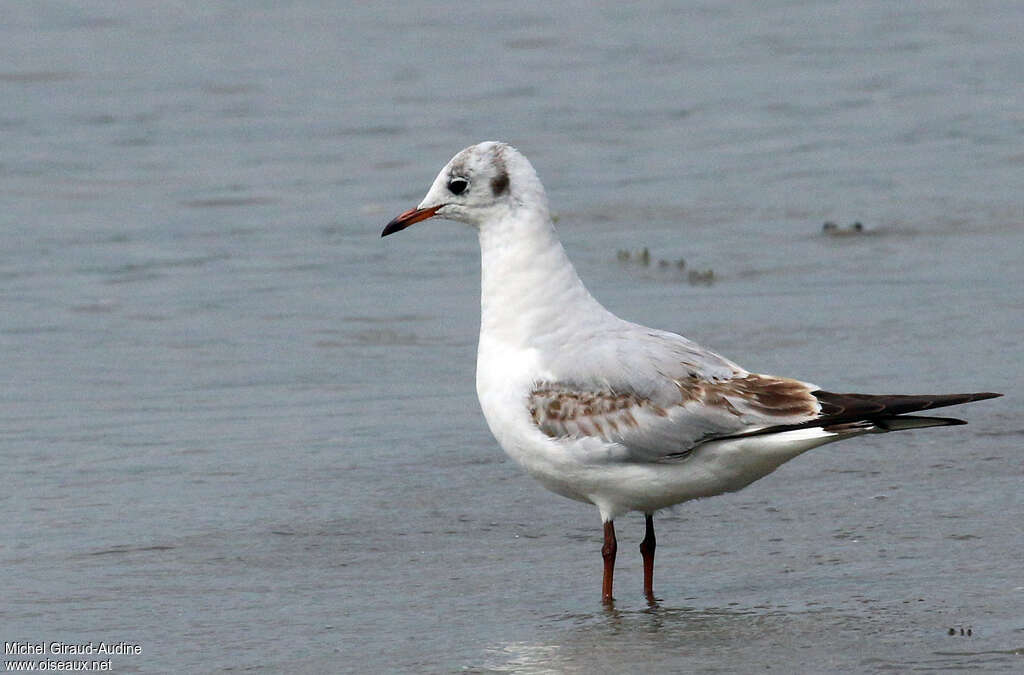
x: 529, y: 288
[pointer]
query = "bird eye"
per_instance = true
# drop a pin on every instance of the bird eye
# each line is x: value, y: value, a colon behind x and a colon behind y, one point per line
x: 457, y: 185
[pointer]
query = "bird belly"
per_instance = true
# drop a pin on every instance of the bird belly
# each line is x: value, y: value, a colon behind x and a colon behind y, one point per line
x: 715, y: 468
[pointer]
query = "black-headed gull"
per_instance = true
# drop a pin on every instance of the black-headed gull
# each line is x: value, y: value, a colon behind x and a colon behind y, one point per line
x: 608, y: 412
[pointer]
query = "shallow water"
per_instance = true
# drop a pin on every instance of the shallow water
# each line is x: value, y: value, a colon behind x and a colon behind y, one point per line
x: 240, y: 431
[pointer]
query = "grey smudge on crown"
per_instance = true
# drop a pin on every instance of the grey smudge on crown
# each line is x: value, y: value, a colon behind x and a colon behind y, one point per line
x: 457, y: 169
x: 499, y: 183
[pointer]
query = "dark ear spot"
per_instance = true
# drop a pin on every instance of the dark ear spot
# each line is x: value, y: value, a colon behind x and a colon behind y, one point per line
x: 499, y: 183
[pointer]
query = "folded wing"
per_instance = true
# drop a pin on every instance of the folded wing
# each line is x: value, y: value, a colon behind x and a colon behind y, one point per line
x: 709, y: 409
x: 701, y: 410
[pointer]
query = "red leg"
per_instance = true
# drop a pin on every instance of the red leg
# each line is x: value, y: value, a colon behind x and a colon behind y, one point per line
x: 608, y: 553
x: 647, y: 547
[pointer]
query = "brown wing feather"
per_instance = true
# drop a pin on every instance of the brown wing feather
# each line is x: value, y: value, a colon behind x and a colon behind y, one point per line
x: 703, y: 409
x: 560, y: 411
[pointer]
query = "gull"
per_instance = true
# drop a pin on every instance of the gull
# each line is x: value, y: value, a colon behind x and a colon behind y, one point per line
x: 609, y: 412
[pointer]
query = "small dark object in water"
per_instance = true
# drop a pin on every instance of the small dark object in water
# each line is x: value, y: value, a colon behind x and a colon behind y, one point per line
x: 706, y: 277
x: 831, y: 228
x: 642, y: 257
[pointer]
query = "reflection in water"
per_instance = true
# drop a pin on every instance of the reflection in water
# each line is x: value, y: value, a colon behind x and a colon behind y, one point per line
x: 687, y: 635
x: 697, y: 639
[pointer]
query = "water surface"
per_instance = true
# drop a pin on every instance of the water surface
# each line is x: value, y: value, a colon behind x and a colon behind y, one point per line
x: 240, y: 430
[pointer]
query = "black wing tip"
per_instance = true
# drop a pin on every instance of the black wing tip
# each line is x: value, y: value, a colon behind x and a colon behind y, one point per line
x: 867, y: 405
x: 890, y: 410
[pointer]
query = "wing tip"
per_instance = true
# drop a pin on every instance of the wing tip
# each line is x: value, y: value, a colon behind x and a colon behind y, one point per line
x: 905, y: 422
x: 845, y: 407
